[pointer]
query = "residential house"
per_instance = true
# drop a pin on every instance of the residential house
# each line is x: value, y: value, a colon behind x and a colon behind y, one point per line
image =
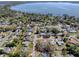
x: 73, y: 40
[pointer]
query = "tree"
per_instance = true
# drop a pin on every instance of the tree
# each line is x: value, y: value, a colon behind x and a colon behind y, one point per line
x: 44, y: 47
x: 10, y: 45
x: 17, y: 51
x: 55, y: 31
x: 77, y: 36
x: 64, y: 51
x: 1, y: 51
x: 77, y: 51
x: 65, y: 39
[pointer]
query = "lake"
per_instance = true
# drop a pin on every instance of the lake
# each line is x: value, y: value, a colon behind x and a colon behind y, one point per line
x: 55, y: 8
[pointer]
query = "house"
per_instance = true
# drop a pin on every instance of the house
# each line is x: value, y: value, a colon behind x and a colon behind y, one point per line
x: 59, y: 41
x: 7, y: 49
x: 19, y: 27
x: 70, y: 29
x: 29, y: 30
x: 44, y: 54
x: 51, y: 34
x: 44, y: 35
x: 26, y: 43
x: 52, y: 42
x: 65, y: 33
x: 60, y: 34
x: 73, y: 40
x: 18, y: 32
x: 59, y: 38
x: 47, y: 35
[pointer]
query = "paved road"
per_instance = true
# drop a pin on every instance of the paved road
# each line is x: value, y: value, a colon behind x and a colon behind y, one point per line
x: 34, y: 43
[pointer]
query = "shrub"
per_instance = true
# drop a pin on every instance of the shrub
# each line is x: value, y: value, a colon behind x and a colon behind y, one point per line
x: 65, y: 39
x: 77, y: 36
x: 1, y: 51
x: 40, y: 46
x: 10, y: 45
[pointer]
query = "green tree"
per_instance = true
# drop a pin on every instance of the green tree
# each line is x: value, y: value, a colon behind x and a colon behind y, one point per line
x: 54, y: 30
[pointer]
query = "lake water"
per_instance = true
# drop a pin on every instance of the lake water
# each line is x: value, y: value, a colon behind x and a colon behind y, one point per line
x: 58, y: 8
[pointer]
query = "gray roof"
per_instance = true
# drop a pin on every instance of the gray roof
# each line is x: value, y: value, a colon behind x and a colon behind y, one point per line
x: 51, y: 34
x: 60, y: 42
x: 59, y: 33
